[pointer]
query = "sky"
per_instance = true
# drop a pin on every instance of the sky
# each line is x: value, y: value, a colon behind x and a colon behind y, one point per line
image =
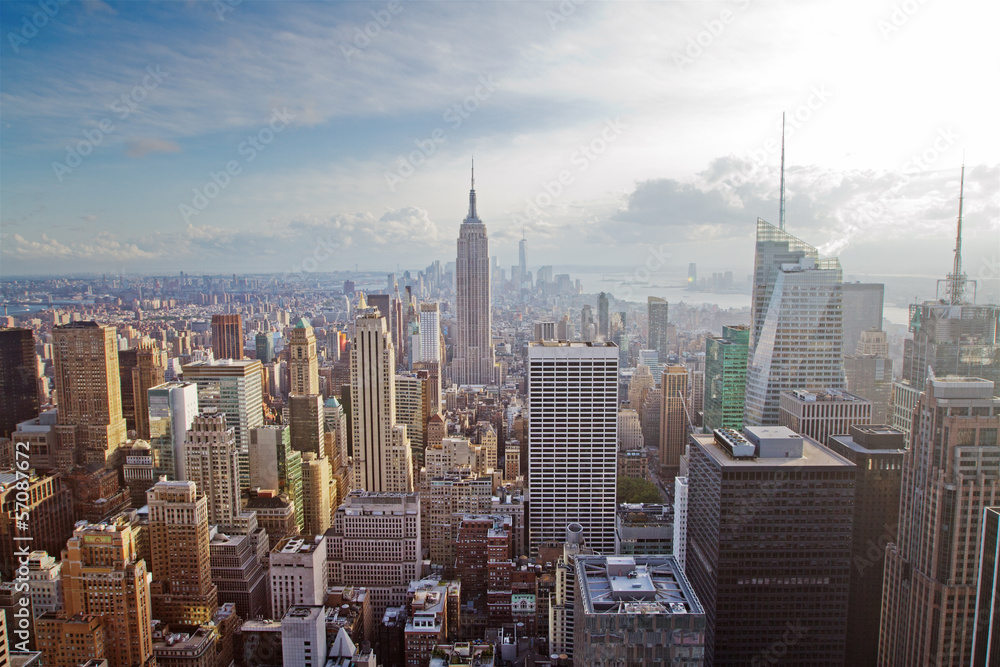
x: 230, y: 136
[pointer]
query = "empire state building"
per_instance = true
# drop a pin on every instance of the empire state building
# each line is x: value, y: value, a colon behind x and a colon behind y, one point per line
x: 474, y: 357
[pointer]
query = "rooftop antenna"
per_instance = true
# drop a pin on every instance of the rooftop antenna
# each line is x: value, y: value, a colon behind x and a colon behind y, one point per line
x: 781, y: 212
x: 957, y: 277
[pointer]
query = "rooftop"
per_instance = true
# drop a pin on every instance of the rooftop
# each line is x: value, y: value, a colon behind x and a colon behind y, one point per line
x: 635, y: 585
x: 813, y: 455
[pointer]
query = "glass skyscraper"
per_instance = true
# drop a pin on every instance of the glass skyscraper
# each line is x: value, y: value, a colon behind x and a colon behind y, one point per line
x: 726, y: 378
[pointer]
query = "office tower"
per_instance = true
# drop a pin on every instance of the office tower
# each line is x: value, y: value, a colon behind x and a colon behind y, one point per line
x: 680, y: 520
x: 18, y: 379
x: 725, y: 378
x: 564, y: 329
x: 952, y: 339
x: 337, y: 448
x: 275, y: 465
x: 68, y: 641
x: 868, y: 372
x: 19, y: 617
x: 140, y: 369
x: 182, y: 590
x: 651, y: 417
x: 49, y: 511
x: 303, y: 366
x: 862, y: 311
x: 373, y: 408
x: 562, y: 605
x: 265, y: 347
x: 375, y: 543
x: 656, y: 312
x: 430, y: 332
x: 303, y: 636
x: 306, y: 418
x: 986, y: 637
x: 234, y: 388
x: 227, y: 336
x: 275, y: 514
x: 210, y: 461
x: 238, y: 575
x: 522, y: 263
x: 696, y: 400
x: 636, y: 610
x: 769, y: 538
x: 821, y: 413
x: 603, y: 317
x: 796, y: 339
x: 573, y: 439
x: 877, y: 451
x: 673, y: 420
x: 638, y: 387
x: 411, y: 411
x: 433, y: 386
x: 588, y: 328
x: 474, y: 357
x: 629, y: 430
x: 45, y: 581
x: 316, y: 494
x: 103, y: 575
x: 298, y: 573
x: 545, y: 331
x: 692, y: 279
x: 476, y: 556
x: 950, y: 473
x: 443, y: 502
x: 88, y: 391
x: 172, y: 408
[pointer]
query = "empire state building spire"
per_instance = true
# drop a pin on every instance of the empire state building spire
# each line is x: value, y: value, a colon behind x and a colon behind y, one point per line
x: 472, y: 217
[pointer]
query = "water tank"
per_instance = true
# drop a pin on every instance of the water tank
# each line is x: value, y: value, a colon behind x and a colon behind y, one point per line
x: 574, y: 534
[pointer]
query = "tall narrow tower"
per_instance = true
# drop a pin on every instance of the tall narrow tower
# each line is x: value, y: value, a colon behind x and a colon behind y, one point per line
x: 474, y: 357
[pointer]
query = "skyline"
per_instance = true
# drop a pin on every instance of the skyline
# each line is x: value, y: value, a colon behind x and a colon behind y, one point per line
x: 330, y: 113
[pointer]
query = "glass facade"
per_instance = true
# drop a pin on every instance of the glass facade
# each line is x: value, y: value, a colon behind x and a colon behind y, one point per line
x: 726, y: 378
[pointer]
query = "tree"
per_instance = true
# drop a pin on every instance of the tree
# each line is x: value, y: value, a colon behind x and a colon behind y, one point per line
x: 634, y: 490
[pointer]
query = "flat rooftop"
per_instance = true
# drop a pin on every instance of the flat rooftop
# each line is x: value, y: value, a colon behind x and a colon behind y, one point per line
x: 813, y: 455
x: 635, y: 585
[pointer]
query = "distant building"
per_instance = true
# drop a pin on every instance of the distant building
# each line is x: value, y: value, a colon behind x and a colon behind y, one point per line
x: 140, y: 369
x: 265, y: 347
x: 862, y: 311
x: 869, y: 373
x: 673, y: 419
x: 821, y: 413
x: 634, y: 611
x: 656, y: 312
x: 725, y: 378
x: 172, y: 409
x: 227, y: 336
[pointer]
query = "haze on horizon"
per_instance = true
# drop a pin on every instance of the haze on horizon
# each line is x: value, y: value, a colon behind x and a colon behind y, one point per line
x: 236, y: 136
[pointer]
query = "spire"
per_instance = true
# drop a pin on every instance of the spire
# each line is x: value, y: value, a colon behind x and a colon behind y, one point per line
x: 472, y: 217
x: 957, y: 278
x: 781, y: 212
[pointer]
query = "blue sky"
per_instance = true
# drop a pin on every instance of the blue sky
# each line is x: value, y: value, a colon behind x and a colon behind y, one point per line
x: 661, y: 120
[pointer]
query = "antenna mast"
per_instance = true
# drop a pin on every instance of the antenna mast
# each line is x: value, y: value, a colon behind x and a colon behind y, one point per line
x: 957, y: 278
x: 781, y: 212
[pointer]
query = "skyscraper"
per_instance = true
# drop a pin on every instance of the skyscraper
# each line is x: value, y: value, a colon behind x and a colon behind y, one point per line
x: 88, y: 391
x: 877, y: 451
x: 603, y: 316
x: 210, y: 460
x: 430, y: 332
x: 726, y: 378
x: 275, y: 465
x: 140, y: 369
x: 265, y: 347
x: 172, y: 408
x: 573, y: 435
x: 474, y: 357
x: 306, y: 418
x: 18, y: 379
x: 673, y: 420
x: 862, y: 311
x: 656, y: 311
x: 950, y: 473
x: 868, y: 371
x: 797, y: 332
x: 316, y: 494
x: 104, y: 575
x: 227, y: 336
x: 303, y: 366
x: 373, y: 406
x: 986, y: 641
x: 182, y: 590
x: 769, y: 540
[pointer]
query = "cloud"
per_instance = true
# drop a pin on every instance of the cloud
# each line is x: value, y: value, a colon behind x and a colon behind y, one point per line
x: 143, y: 146
x: 96, y: 6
